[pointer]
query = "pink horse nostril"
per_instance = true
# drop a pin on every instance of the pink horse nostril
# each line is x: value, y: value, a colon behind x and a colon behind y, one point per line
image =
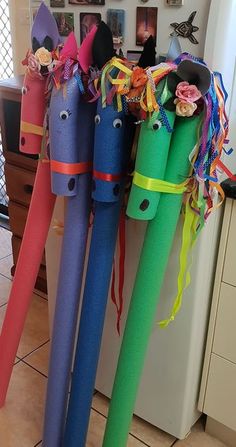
x: 22, y: 141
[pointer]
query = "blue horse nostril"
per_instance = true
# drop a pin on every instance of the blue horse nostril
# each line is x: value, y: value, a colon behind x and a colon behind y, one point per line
x: 71, y: 184
x: 116, y: 190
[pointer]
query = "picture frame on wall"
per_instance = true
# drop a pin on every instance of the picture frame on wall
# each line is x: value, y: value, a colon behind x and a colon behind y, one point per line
x: 65, y: 22
x: 146, y: 24
x: 116, y: 23
x: 133, y: 55
x: 57, y: 3
x: 87, y: 21
x: 87, y: 2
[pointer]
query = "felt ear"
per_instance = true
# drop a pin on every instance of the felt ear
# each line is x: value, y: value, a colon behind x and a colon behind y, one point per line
x: 48, y: 43
x: 148, y: 57
x: 35, y: 44
x: 85, y: 55
x: 175, y: 49
x: 102, y: 49
x: 45, y: 25
x: 70, y: 47
x: 195, y: 73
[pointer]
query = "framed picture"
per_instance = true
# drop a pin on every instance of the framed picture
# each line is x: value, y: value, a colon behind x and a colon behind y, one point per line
x: 116, y: 23
x: 146, y: 24
x: 57, y: 3
x: 87, y: 21
x: 133, y: 55
x: 175, y: 2
x: 87, y: 2
x: 65, y: 22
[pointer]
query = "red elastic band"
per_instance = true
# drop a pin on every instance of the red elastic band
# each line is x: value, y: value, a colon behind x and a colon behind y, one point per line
x: 119, y: 304
x: 107, y: 177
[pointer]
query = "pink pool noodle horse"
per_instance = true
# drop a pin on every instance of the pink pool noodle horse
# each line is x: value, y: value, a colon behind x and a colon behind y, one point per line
x: 44, y: 33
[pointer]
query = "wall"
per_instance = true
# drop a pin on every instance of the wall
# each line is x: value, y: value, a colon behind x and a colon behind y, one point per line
x: 20, y: 30
x: 166, y: 15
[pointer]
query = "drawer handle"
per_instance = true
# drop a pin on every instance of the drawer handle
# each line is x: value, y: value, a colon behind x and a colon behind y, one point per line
x: 28, y: 189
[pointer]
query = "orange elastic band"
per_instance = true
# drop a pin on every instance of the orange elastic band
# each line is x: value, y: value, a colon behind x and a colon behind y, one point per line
x: 71, y: 168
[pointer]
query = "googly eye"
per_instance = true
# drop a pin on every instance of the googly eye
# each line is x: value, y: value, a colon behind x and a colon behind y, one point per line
x: 117, y: 124
x: 64, y: 115
x: 157, y: 125
x: 24, y: 90
x: 97, y: 119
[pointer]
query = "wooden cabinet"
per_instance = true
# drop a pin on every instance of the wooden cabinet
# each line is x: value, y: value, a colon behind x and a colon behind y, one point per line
x: 19, y: 169
x: 220, y: 401
x: 218, y: 389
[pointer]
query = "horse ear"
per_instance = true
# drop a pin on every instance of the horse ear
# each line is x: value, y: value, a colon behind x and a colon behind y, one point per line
x: 70, y: 48
x: 45, y: 25
x: 148, y: 56
x: 85, y: 55
x: 195, y: 73
x: 102, y: 49
x: 35, y: 44
x: 48, y: 43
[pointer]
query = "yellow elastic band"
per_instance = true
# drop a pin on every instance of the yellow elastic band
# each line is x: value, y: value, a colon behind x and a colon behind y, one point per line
x: 156, y: 185
x: 31, y: 128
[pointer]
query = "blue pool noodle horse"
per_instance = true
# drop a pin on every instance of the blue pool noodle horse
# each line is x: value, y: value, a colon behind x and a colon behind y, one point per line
x: 112, y: 146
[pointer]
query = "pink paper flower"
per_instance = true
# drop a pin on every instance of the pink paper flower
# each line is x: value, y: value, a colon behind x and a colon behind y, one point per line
x: 187, y: 92
x: 184, y: 108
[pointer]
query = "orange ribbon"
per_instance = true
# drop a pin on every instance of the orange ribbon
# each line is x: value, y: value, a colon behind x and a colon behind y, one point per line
x: 71, y: 168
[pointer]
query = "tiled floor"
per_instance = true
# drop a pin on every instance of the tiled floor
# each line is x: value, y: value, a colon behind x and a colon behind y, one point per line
x: 21, y: 418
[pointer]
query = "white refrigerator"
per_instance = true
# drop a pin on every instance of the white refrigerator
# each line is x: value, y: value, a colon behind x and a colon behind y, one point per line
x: 169, y: 388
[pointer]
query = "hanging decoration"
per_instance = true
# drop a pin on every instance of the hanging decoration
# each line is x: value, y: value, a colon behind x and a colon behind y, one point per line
x: 186, y: 29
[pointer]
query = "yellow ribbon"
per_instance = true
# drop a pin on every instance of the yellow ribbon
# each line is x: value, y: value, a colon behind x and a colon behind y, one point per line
x: 31, y: 128
x: 191, y: 222
x: 189, y: 229
x: 156, y: 185
x: 115, y: 63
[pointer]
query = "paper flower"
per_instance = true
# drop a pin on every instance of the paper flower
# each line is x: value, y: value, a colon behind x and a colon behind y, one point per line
x: 139, y: 77
x: 185, y: 108
x: 44, y: 57
x: 187, y: 92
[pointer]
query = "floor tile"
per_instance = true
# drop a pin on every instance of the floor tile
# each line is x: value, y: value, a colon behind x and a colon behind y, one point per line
x: 36, y: 331
x: 198, y: 438
x: 5, y: 243
x: 96, y: 432
x: 21, y: 418
x: 5, y: 287
x: 6, y: 265
x: 39, y: 359
x: 141, y: 429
